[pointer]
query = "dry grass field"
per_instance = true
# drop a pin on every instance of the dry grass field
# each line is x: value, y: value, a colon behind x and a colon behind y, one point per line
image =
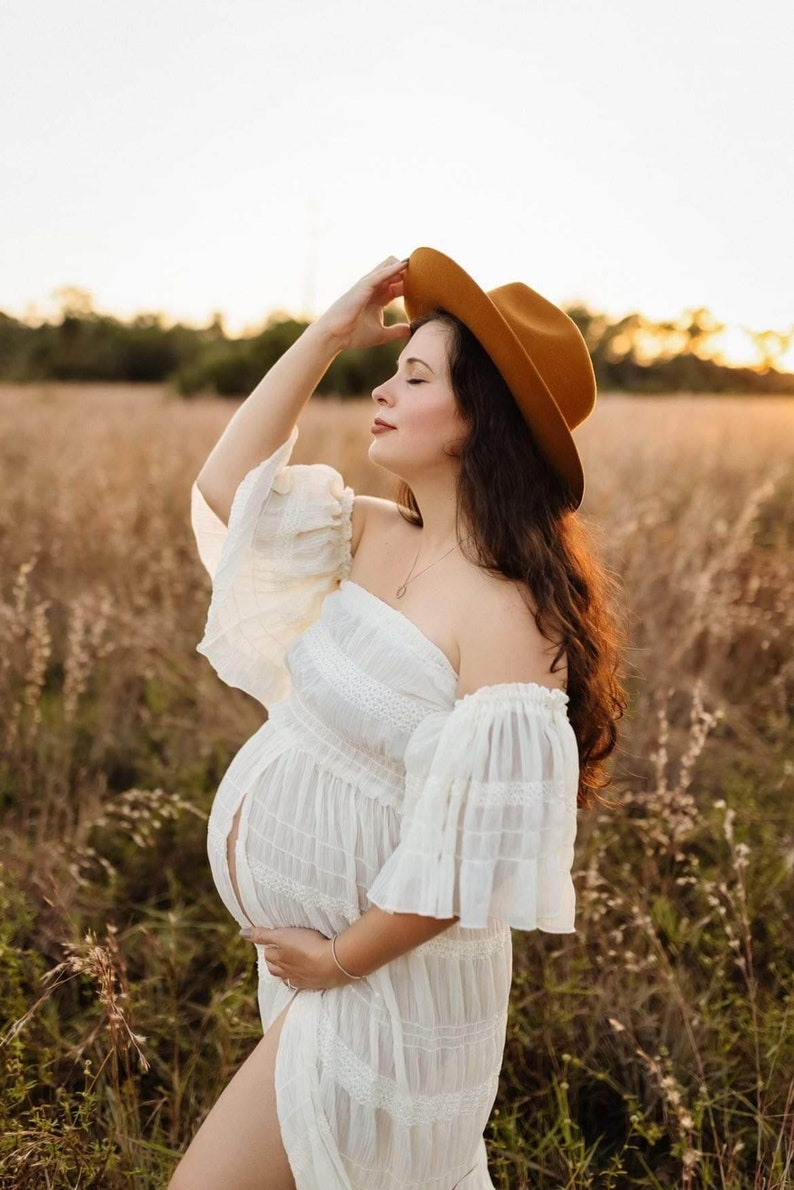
x: 653, y: 1048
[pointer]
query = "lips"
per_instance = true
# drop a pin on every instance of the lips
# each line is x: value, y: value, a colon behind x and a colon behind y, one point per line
x: 380, y: 422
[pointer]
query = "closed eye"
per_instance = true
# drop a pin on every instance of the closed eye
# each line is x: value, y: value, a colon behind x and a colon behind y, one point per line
x: 417, y: 381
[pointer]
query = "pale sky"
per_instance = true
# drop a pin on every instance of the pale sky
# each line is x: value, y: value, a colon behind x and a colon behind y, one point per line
x: 187, y: 156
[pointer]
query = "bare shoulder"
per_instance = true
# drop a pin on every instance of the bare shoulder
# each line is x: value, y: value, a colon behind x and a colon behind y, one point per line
x: 369, y: 508
x: 497, y: 636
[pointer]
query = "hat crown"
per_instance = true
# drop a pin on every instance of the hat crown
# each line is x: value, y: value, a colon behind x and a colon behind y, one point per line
x: 555, y: 345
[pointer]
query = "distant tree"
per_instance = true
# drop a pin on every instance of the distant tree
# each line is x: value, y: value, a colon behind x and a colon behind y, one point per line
x: 771, y: 345
x: 216, y: 329
x: 73, y: 301
x: 698, y: 327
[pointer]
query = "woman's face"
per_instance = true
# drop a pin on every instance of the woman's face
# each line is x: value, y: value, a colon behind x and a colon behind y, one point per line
x: 419, y: 402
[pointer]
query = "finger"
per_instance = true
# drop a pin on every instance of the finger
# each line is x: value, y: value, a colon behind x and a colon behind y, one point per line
x: 388, y: 287
x: 259, y: 935
x: 393, y: 276
x: 391, y: 264
x: 398, y: 330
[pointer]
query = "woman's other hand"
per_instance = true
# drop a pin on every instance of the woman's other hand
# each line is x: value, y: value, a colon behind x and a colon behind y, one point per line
x: 299, y: 955
x: 356, y: 318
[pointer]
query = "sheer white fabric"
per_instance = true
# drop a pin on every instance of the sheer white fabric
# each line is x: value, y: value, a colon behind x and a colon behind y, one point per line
x: 489, y: 823
x: 288, y: 543
x: 372, y: 783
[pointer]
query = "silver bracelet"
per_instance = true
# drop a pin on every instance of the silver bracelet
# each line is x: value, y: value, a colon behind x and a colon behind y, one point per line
x: 336, y: 960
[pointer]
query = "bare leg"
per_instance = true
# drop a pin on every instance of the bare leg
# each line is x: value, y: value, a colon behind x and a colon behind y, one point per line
x: 239, y: 1146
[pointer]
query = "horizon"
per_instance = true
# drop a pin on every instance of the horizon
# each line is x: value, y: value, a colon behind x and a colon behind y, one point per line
x: 747, y: 341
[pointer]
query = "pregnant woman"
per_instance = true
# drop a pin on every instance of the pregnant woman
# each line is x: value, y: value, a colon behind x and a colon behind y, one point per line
x: 439, y: 674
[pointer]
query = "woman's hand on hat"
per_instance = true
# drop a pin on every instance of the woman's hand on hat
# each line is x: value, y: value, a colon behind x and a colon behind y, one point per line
x: 356, y: 318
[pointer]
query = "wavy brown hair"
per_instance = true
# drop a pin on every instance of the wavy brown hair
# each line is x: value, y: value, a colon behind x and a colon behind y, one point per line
x: 523, y: 525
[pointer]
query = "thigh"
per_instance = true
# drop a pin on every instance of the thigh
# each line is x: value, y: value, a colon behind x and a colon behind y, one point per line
x: 239, y: 1147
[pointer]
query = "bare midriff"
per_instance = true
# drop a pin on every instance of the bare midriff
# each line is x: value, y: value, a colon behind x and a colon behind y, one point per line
x: 231, y: 858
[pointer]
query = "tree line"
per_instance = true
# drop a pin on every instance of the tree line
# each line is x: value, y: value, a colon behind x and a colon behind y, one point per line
x: 631, y: 353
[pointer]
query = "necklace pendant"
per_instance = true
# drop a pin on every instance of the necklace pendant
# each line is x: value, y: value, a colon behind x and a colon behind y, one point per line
x: 401, y: 590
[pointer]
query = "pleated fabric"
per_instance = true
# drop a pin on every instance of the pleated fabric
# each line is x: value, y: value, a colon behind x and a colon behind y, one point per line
x: 489, y: 818
x: 287, y: 541
x: 371, y: 783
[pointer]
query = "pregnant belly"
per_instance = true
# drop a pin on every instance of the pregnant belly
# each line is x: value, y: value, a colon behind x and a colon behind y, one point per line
x: 290, y: 850
x: 255, y: 888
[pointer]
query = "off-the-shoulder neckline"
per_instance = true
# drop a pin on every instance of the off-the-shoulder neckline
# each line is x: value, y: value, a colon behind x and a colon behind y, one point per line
x: 553, y: 695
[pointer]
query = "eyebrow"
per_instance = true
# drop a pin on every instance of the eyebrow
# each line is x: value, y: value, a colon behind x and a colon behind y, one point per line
x: 415, y: 360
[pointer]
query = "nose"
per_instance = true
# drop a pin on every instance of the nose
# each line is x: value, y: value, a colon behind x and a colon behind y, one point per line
x: 379, y: 394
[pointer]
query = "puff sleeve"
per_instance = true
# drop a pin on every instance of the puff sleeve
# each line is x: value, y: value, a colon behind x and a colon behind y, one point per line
x: 287, y: 545
x: 490, y: 813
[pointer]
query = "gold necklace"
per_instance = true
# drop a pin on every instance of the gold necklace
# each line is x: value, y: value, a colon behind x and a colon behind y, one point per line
x: 401, y: 589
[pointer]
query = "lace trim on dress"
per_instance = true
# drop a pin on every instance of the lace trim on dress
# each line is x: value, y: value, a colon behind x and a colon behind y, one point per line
x: 304, y: 894
x: 442, y: 946
x: 375, y: 1090
x: 452, y: 1036
x: 299, y: 719
x: 494, y: 793
x: 358, y: 688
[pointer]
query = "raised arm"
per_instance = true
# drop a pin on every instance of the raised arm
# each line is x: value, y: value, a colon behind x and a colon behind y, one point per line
x: 267, y: 417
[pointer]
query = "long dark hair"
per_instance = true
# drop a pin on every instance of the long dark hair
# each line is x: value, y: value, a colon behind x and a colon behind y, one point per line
x: 519, y: 512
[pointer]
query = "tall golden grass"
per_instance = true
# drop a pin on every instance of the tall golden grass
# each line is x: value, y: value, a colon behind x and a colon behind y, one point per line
x: 652, y: 1048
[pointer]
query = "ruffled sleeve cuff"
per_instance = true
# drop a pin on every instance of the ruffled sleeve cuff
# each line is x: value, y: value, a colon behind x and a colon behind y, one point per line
x: 287, y: 545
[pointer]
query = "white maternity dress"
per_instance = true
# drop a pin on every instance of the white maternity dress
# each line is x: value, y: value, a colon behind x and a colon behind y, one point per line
x: 370, y: 783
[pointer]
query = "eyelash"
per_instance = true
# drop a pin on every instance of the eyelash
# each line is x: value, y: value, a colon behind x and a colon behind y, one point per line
x: 415, y: 381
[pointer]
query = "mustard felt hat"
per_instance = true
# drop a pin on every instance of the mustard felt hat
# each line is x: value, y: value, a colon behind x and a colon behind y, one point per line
x: 536, y: 347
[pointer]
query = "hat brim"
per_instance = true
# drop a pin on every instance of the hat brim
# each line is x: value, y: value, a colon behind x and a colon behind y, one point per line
x: 434, y: 279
